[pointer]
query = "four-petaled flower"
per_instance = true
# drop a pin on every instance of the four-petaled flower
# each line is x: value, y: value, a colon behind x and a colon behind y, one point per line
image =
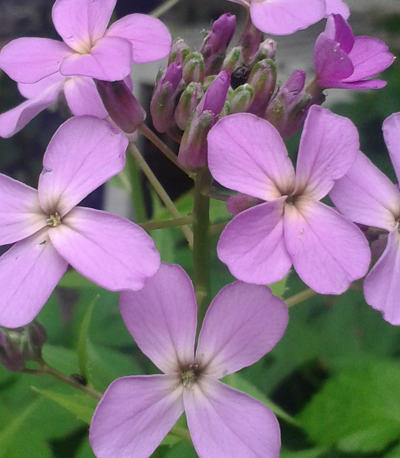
x: 51, y: 232
x: 242, y: 323
x: 291, y: 226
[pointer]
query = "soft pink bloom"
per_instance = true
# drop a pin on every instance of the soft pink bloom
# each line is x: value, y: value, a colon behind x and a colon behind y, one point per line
x: 44, y: 67
x: 242, y: 323
x: 291, y: 226
x: 344, y: 61
x: 51, y: 232
x: 365, y: 195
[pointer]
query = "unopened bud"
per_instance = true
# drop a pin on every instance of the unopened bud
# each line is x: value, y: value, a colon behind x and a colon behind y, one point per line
x: 193, y: 68
x: 250, y: 42
x: 121, y: 105
x: 240, y: 202
x: 164, y: 99
x: 232, y: 59
x: 266, y: 50
x: 241, y: 98
x: 263, y: 80
x: 188, y: 102
x: 179, y: 51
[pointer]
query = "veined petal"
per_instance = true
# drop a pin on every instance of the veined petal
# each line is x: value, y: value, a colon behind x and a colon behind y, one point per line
x: 328, y: 251
x: 134, y: 415
x: 391, y: 132
x: 29, y: 271
x: 242, y: 324
x: 83, y: 98
x: 283, y: 17
x: 83, y: 154
x: 226, y: 423
x: 247, y: 154
x: 20, y: 212
x: 81, y: 23
x: 328, y: 147
x: 339, y: 30
x: 382, y: 285
x: 365, y: 195
x: 252, y: 244
x: 330, y: 61
x: 148, y: 36
x: 111, y: 251
x: 110, y: 59
x: 28, y: 60
x: 162, y: 317
x: 32, y: 90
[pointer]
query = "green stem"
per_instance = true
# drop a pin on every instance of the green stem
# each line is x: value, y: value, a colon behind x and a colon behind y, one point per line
x: 299, y: 297
x: 174, y: 222
x: 201, y: 249
x: 137, y: 197
x: 162, y: 9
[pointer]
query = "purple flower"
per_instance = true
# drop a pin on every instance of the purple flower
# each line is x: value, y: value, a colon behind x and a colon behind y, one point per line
x: 365, y: 195
x: 291, y: 226
x: 51, y: 232
x: 344, y: 61
x: 44, y: 67
x: 136, y: 412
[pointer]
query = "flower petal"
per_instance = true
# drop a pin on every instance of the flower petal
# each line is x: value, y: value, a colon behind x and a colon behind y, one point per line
x: 328, y: 147
x: 83, y: 98
x: 328, y: 251
x: 28, y: 60
x: 391, y: 132
x: 80, y: 23
x: 83, y: 154
x: 382, y: 286
x: 242, y: 324
x: 149, y: 37
x: 339, y: 30
x: 109, y: 250
x: 283, y: 17
x: 226, y: 423
x: 109, y: 60
x: 29, y: 271
x: 32, y: 90
x: 356, y: 85
x: 252, y: 244
x: 134, y: 415
x: 154, y: 316
x: 247, y: 154
x: 365, y: 195
x: 20, y: 212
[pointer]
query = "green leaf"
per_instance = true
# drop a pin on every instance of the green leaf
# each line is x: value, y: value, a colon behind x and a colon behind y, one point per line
x: 357, y: 410
x: 80, y: 405
x: 278, y: 288
x: 310, y: 453
x: 63, y: 359
x: 73, y: 279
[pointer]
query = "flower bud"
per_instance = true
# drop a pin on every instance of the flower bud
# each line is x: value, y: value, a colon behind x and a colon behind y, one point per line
x: 121, y: 105
x: 239, y: 202
x: 266, y: 50
x: 250, y: 42
x: 193, y: 68
x: 232, y: 59
x: 179, y: 51
x: 216, y: 42
x: 163, y: 101
x: 188, y: 102
x: 241, y: 99
x: 263, y: 80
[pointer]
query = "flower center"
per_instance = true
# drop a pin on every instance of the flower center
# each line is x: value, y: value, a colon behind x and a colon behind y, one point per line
x: 53, y: 220
x: 190, y: 374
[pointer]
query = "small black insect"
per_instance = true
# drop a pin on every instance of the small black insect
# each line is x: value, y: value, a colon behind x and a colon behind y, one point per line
x: 239, y: 76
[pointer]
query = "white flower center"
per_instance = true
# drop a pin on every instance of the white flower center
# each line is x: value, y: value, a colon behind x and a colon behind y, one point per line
x: 53, y: 220
x: 190, y: 374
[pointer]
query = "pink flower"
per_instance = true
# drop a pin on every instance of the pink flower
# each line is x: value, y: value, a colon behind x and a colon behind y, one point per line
x: 344, y: 61
x: 44, y: 67
x: 242, y: 323
x: 365, y: 195
x: 291, y: 226
x: 51, y: 232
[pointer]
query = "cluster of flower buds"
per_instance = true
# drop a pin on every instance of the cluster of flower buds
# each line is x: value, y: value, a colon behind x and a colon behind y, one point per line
x: 198, y: 87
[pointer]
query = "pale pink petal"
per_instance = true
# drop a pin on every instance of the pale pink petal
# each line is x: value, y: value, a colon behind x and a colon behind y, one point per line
x: 82, y: 97
x: 365, y: 195
x: 109, y: 60
x: 283, y: 17
x: 81, y: 23
x: 134, y: 415
x: 83, y: 154
x: 109, y: 250
x: 328, y: 147
x: 149, y: 37
x: 356, y: 85
x: 20, y: 212
x: 337, y: 7
x: 252, y: 244
x: 391, y: 132
x: 12, y: 121
x: 242, y: 324
x: 162, y: 317
x: 382, y: 285
x: 29, y: 271
x: 226, y: 423
x: 328, y: 251
x: 28, y: 60
x: 247, y: 154
x: 34, y: 89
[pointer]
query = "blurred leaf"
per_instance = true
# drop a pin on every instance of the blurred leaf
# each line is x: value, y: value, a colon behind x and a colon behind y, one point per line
x: 84, y: 450
x: 278, y: 288
x: 310, y: 453
x: 62, y: 359
x: 73, y: 279
x: 393, y: 452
